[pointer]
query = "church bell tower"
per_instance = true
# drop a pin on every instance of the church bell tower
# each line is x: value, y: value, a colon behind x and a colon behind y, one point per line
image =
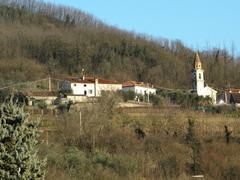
x: 197, y: 76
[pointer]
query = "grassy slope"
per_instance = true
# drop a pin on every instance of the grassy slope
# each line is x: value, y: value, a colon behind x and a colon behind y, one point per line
x: 162, y: 154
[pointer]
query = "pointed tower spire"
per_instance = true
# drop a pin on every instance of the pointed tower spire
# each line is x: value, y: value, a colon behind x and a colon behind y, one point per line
x: 197, y: 62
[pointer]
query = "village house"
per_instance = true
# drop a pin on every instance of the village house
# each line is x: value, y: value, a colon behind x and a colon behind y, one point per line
x: 139, y: 88
x: 231, y: 96
x: 88, y: 86
x: 234, y: 97
x: 198, y: 82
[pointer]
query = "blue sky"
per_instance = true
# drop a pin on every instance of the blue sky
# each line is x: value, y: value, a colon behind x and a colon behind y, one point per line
x: 199, y: 24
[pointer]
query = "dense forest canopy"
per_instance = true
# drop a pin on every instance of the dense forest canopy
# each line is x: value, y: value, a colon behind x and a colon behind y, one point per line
x: 38, y: 38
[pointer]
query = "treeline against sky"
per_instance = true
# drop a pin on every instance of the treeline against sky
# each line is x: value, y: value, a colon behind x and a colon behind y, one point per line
x: 62, y: 41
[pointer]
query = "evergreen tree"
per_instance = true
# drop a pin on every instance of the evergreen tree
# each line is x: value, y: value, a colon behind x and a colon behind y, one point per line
x: 195, y: 146
x: 18, y: 144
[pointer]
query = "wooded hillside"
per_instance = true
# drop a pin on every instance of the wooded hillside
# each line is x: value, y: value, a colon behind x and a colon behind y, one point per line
x: 38, y: 38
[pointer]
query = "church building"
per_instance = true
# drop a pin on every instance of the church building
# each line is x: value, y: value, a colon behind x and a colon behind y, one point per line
x: 198, y: 83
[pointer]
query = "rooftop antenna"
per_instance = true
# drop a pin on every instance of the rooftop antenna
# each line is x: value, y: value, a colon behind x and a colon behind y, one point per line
x: 49, y: 84
x: 229, y: 85
x: 83, y: 74
x: 225, y: 97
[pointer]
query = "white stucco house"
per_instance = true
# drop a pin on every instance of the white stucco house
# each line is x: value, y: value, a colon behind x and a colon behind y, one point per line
x: 139, y: 88
x: 198, y: 82
x: 89, y: 86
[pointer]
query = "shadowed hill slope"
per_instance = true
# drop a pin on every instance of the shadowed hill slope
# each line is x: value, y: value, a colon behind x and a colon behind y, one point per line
x: 64, y: 40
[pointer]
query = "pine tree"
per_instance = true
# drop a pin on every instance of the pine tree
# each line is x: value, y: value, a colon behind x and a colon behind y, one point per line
x: 19, y: 144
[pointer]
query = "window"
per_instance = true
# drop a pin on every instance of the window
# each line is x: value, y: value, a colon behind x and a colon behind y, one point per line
x: 85, y: 93
x: 75, y: 84
x: 85, y: 85
x: 90, y: 91
x: 199, y: 76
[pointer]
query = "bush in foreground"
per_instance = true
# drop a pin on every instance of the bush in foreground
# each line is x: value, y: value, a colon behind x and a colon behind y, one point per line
x: 18, y: 144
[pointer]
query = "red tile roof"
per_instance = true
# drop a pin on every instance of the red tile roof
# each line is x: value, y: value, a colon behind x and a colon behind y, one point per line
x: 91, y: 80
x: 134, y: 83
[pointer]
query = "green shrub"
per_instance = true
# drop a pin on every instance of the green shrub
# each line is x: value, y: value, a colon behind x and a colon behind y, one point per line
x: 118, y: 163
x: 100, y: 158
x: 185, y: 99
x: 156, y: 100
x: 77, y: 161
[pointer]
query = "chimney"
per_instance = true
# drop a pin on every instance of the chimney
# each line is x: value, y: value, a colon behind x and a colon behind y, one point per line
x: 96, y: 86
x: 96, y: 80
x: 83, y: 77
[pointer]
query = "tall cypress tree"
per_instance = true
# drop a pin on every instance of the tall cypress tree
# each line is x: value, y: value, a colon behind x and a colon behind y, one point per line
x: 19, y: 144
x: 195, y: 146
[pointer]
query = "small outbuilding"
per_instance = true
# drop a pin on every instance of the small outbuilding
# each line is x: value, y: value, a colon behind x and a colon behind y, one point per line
x: 231, y: 96
x: 45, y: 96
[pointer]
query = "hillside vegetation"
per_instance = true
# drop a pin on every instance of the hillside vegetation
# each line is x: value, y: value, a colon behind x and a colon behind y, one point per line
x: 165, y: 143
x: 37, y: 39
x: 99, y: 140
